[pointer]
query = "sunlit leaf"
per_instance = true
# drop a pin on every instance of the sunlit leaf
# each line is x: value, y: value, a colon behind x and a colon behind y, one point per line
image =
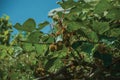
x: 50, y: 40
x: 102, y: 6
x: 100, y: 27
x: 73, y: 25
x: 91, y: 35
x: 28, y: 47
x: 114, y: 13
x: 35, y: 37
x: 42, y: 25
x: 115, y: 32
x: 18, y: 26
x: 29, y: 25
x: 67, y: 4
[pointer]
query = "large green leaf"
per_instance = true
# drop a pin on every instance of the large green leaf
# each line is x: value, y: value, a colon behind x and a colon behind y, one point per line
x: 114, y: 13
x: 87, y: 47
x: 3, y: 54
x: 67, y: 4
x: 72, y: 25
x: 28, y: 25
x: 106, y: 58
x: 3, y: 47
x: 102, y: 6
x: 57, y: 65
x: 34, y: 37
x: 42, y: 25
x: 100, y: 27
x: 50, y: 63
x: 76, y: 44
x: 50, y: 40
x: 45, y: 38
x: 40, y: 48
x: 28, y: 47
x: 91, y: 35
x: 18, y: 26
x: 115, y: 32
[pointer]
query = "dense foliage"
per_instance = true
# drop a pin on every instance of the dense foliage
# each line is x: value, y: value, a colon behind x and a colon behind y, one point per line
x: 84, y: 44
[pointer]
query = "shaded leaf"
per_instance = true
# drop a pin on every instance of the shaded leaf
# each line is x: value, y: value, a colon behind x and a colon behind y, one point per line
x: 87, y: 47
x: 76, y: 44
x: 47, y: 52
x: 50, y: 63
x: 106, y: 58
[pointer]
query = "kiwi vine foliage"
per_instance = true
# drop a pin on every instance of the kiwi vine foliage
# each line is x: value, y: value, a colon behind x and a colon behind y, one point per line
x: 83, y: 44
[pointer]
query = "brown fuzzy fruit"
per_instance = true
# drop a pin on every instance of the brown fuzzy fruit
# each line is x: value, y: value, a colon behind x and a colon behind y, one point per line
x: 59, y: 45
x: 58, y: 33
x: 102, y: 48
x: 53, y: 47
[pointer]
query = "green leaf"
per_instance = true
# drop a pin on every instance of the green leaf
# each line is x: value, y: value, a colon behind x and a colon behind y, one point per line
x: 76, y: 44
x: 57, y: 65
x: 73, y: 25
x: 115, y: 32
x: 50, y: 63
x: 50, y: 40
x: 67, y: 4
x: 29, y: 25
x: 42, y: 25
x: 106, y: 58
x: 27, y: 47
x: 87, y: 47
x: 40, y: 48
x: 46, y: 52
x: 3, y: 54
x: 100, y: 27
x: 114, y: 13
x: 45, y: 38
x: 18, y: 26
x: 102, y: 6
x: 3, y: 47
x: 91, y: 35
x: 34, y: 37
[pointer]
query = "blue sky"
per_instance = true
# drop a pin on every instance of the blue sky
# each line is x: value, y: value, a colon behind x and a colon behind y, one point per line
x: 21, y: 10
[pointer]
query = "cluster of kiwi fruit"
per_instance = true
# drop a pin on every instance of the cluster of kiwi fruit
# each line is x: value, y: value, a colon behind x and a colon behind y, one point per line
x: 65, y: 42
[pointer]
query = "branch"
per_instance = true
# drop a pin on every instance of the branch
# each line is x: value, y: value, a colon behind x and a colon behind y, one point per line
x: 35, y: 42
